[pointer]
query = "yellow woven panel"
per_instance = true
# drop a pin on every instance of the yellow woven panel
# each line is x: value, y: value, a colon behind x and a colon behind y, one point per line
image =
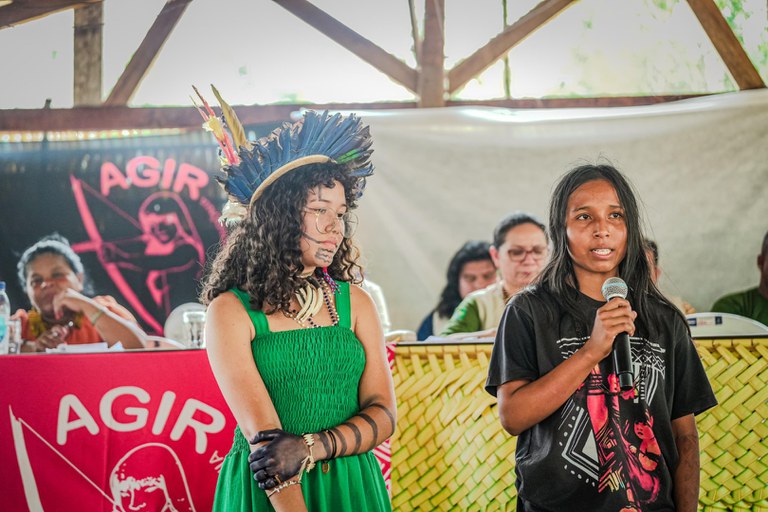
x: 450, y: 452
x: 734, y: 435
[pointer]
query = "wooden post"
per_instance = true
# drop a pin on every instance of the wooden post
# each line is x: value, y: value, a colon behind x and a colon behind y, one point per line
x: 431, y: 85
x: 87, y: 55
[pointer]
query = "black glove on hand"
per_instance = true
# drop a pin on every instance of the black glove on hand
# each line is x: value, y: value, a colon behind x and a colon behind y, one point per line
x: 279, y: 459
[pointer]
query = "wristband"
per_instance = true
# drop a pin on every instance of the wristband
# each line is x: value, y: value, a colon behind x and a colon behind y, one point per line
x: 309, y: 462
x: 282, y: 486
x: 96, y: 316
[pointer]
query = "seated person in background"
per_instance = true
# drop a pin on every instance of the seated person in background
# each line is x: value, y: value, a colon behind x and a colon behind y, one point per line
x: 752, y: 303
x: 377, y: 294
x: 519, y: 252
x: 52, y: 275
x: 470, y: 269
x: 652, y: 253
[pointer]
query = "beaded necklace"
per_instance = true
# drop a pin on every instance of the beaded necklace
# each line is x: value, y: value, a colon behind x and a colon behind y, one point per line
x: 307, y: 321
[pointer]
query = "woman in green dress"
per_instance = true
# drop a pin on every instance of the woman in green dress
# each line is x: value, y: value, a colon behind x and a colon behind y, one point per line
x: 297, y: 352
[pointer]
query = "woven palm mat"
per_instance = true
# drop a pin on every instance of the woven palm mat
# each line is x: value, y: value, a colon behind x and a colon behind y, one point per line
x: 733, y: 437
x: 450, y: 452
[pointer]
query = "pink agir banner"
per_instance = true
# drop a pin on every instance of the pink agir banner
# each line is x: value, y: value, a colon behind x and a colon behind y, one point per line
x: 115, y: 432
x: 111, y: 432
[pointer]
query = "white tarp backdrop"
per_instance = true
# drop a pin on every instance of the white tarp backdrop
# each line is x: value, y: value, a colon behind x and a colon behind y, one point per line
x: 447, y: 175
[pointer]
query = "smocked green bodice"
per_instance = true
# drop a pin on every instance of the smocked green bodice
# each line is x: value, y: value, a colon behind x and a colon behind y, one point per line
x: 312, y: 375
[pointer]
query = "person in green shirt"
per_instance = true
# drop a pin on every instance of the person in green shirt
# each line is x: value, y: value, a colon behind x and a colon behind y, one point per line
x: 519, y: 252
x: 752, y: 303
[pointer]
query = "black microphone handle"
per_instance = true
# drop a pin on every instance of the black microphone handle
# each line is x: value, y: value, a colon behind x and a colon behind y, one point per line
x: 622, y: 361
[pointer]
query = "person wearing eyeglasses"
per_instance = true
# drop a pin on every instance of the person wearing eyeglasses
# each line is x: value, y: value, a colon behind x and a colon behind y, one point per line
x: 519, y: 252
x: 295, y: 346
x: 53, y: 276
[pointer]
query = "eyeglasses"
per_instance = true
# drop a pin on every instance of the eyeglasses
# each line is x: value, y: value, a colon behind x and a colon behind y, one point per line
x: 327, y: 218
x: 519, y: 254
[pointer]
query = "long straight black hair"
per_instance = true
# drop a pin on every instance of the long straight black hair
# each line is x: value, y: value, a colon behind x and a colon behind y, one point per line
x: 559, y: 277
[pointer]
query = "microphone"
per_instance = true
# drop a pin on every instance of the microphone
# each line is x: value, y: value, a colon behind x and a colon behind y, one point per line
x: 622, y: 353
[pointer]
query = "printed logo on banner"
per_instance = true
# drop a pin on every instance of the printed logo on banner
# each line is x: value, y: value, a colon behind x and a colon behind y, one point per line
x: 148, y: 476
x: 151, y: 248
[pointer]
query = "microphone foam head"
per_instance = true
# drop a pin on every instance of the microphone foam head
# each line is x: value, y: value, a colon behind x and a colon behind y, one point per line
x: 615, y: 287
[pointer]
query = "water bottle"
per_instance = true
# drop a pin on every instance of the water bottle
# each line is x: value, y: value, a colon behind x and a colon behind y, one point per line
x: 5, y: 314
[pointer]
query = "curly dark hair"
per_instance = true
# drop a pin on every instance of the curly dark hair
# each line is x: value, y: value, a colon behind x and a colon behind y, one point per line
x: 473, y: 250
x: 262, y: 254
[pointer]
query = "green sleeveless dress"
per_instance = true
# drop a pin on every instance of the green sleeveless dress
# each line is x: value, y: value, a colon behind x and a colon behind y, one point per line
x: 312, y: 376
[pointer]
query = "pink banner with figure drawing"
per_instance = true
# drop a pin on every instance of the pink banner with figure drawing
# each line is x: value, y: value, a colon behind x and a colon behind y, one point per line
x: 115, y: 432
x: 111, y: 432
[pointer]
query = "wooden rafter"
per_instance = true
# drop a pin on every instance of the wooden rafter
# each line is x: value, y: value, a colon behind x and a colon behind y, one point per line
x: 727, y: 44
x: 89, y: 22
x: 414, y: 30
x: 22, y: 11
x: 476, y: 63
x: 119, y: 118
x: 374, y: 55
x: 432, y: 59
x: 147, y: 52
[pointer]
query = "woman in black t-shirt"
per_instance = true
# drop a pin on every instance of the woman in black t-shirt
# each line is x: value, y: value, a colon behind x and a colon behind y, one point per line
x: 584, y: 444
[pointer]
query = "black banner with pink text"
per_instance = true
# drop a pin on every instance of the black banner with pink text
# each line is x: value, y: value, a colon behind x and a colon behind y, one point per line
x: 142, y: 213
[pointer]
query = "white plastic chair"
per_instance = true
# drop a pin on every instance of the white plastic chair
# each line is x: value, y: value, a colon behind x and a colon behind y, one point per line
x: 723, y: 325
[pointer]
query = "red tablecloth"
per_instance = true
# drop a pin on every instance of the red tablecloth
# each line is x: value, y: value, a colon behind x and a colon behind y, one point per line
x: 98, y: 432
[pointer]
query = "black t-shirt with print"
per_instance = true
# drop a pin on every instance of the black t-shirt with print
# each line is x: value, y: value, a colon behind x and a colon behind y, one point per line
x: 602, y: 449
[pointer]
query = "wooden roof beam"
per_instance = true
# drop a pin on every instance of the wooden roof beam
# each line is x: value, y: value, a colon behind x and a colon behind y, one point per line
x: 374, y: 55
x: 727, y: 44
x: 89, y: 22
x: 147, y: 52
x: 414, y: 30
x: 128, y: 118
x: 22, y: 11
x: 432, y: 58
x: 476, y: 63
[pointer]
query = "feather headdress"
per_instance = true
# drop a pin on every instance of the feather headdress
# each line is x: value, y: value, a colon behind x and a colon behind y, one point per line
x: 254, y: 165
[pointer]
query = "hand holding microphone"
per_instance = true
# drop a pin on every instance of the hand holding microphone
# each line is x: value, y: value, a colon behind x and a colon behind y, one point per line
x: 613, y: 288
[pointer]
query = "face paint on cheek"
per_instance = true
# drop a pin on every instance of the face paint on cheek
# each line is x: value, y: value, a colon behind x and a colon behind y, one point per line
x: 310, y: 238
x: 324, y: 255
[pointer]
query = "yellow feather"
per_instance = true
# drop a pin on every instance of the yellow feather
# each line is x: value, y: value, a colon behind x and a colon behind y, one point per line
x: 214, y: 125
x: 238, y: 133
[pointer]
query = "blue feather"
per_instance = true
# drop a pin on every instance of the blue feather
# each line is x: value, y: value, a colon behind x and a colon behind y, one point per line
x: 344, y: 139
